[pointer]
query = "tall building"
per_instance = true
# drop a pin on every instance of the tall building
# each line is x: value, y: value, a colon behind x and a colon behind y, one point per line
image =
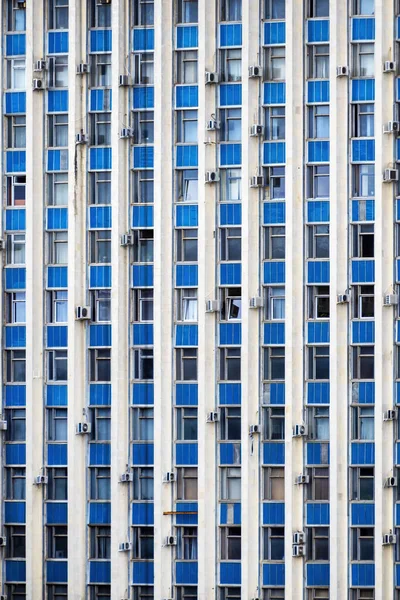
x: 201, y: 275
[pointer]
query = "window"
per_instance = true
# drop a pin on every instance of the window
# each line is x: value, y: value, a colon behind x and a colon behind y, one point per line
x: 318, y: 241
x: 16, y: 547
x: 273, y: 423
x: 186, y: 364
x: 318, y: 543
x: 15, y: 307
x: 143, y: 592
x: 143, y: 249
x: 231, y: 64
x: 186, y: 483
x: 15, y: 245
x: 99, y: 16
x: 231, y: 185
x: 186, y: 304
x: 275, y: 178
x: 57, y: 541
x: 143, y: 126
x: 318, y: 61
x: 16, y: 74
x: 362, y: 483
x: 363, y: 178
x: 363, y: 362
x: 100, y: 246
x: 364, y: 7
x: 57, y: 421
x: 58, y: 14
x: 318, y: 488
x: 187, y: 185
x: 231, y: 243
x: 57, y: 592
x: 230, y: 423
x: 16, y: 190
x: 100, y: 364
x: 143, y: 305
x: 186, y: 424
x: 100, y: 129
x: 229, y: 364
x: 317, y: 182
x: 362, y: 544
x: 186, y: 592
x: 100, y: 187
x: 231, y: 304
x: 188, y: 12
x: 318, y: 594
x: 57, y: 306
x: 275, y: 123
x: 363, y: 301
x: 100, y: 542
x: 231, y: 10
x: 100, y: 488
x: 143, y: 424
x: 101, y: 424
x: 58, y: 247
x: 143, y: 13
x: 186, y: 245
x: 274, y: 594
x: 143, y: 542
x: 231, y: 543
x: 100, y: 592
x: 58, y: 71
x: 274, y: 363
x: 16, y: 591
x: 274, y: 9
x: 318, y: 8
x: 15, y: 483
x: 57, y: 189
x: 362, y: 594
x: 15, y: 366
x: 274, y: 243
x: 229, y: 593
x: 363, y: 60
x: 230, y: 478
x: 186, y: 543
x: 16, y: 132
x: 318, y: 423
x: 318, y: 121
x: 363, y: 120
x: 143, y: 364
x: 57, y: 486
x: 16, y: 16
x: 58, y: 131
x: 143, y: 68
x: 274, y: 483
x: 274, y: 543
x: 102, y: 306
x: 274, y: 303
x: 363, y: 241
x: 318, y: 362
x: 57, y: 365
x: 100, y: 70
x: 318, y: 302
x: 230, y: 124
x: 275, y: 63
x: 186, y: 66
x: 362, y: 423
x: 143, y: 483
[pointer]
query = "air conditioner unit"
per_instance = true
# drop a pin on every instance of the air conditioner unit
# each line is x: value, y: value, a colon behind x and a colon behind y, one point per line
x: 255, y: 71
x: 300, y: 430
x: 3, y: 597
x: 2, y: 244
x: 38, y: 84
x: 212, y: 176
x: 41, y: 480
x: 343, y: 298
x: 170, y: 540
x: 212, y: 417
x: 126, y: 477
x: 169, y: 477
x: 298, y: 550
x: 391, y: 127
x: 213, y: 125
x: 390, y: 415
x: 302, y: 479
x: 254, y: 429
x: 256, y: 302
x: 125, y: 546
x: 299, y: 537
x: 127, y: 239
x: 389, y: 66
x: 257, y: 181
x: 3, y: 425
x: 82, y: 69
x: 3, y: 541
x: 125, y: 80
x: 40, y: 65
x: 81, y: 138
x: 83, y: 313
x: 211, y: 77
x: 212, y: 306
x: 388, y: 539
x: 390, y: 175
x: 390, y: 482
x: 256, y: 130
x: 342, y: 71
x: 83, y: 428
x: 390, y: 300
x: 125, y: 133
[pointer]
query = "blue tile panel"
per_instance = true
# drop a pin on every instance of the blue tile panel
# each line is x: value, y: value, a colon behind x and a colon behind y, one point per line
x: 230, y: 35
x: 99, y: 454
x: 143, y: 40
x: 186, y: 454
x: 274, y: 574
x: 362, y: 271
x: 186, y: 394
x: 318, y: 91
x: 363, y: 150
x: 99, y: 513
x: 57, y: 101
x: 15, y: 336
x: 15, y: 278
x: 56, y: 395
x: 143, y: 157
x: 15, y: 454
x: 58, y: 42
x: 99, y: 276
x: 317, y: 453
x: 230, y: 454
x: 100, y: 159
x: 363, y: 90
x: 230, y: 573
x: 187, y: 215
x: 57, y: 513
x: 15, y: 395
x: 15, y: 161
x: 143, y: 513
x: 101, y: 40
x: 230, y: 94
x: 57, y: 160
x: 318, y: 152
x: 187, y: 155
x: 318, y: 212
x: 142, y: 276
x: 186, y: 96
x: 318, y: 271
x: 100, y: 335
x: 230, y: 393
x: 363, y: 574
x: 99, y: 571
x: 143, y: 573
x: 57, y: 336
x: 363, y: 332
x: 15, y: 44
x: 317, y: 514
x: 143, y: 454
x: 274, y: 153
x: 274, y: 33
x: 273, y: 513
x: 273, y: 453
x: 186, y: 572
x: 57, y: 455
x: 362, y: 29
x: 57, y: 219
x: 228, y: 516
x: 274, y: 93
x: 230, y: 334
x: 274, y: 333
x: 230, y: 273
x: 57, y: 571
x: 363, y: 210
x: 274, y: 272
x: 362, y: 514
x: 274, y: 213
x: 100, y: 100
x: 15, y: 570
x: 14, y: 512
x: 143, y: 97
x: 142, y: 334
x: 14, y: 103
x: 318, y: 574
x: 318, y: 392
x: 100, y: 394
x: 362, y: 453
x: 230, y: 155
x: 142, y: 394
x: 142, y: 216
x: 318, y: 30
x: 186, y: 275
x: 186, y: 335
x: 187, y: 36
x: 100, y: 217
x: 318, y: 332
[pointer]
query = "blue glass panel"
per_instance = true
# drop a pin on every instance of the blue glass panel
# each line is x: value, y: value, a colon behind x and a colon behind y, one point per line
x: 187, y: 96
x: 318, y: 392
x: 143, y: 513
x: 142, y: 216
x: 57, y: 336
x: 143, y: 97
x: 143, y: 40
x: 230, y: 155
x: 274, y: 93
x: 318, y: 152
x: 57, y: 455
x: 363, y: 90
x: 274, y: 272
x: 57, y: 571
x: 318, y: 91
x: 318, y: 332
x: 187, y: 36
x: 15, y: 336
x: 273, y: 513
x: 363, y: 574
x: 186, y: 454
x: 58, y: 42
x: 230, y: 35
x: 362, y: 514
x: 318, y: 212
x: 143, y: 393
x: 318, y: 271
x: 101, y: 40
x: 363, y: 150
x: 363, y: 29
x: 187, y: 215
x: 15, y: 44
x: 57, y: 101
x: 230, y: 573
x: 230, y: 393
x: 230, y: 94
x: 14, y: 103
x: 56, y: 395
x: 99, y: 454
x: 14, y: 512
x: 318, y: 514
x: 100, y: 217
x: 274, y: 153
x: 143, y: 157
x: 274, y: 453
x: 15, y: 278
x: 187, y: 155
x: 57, y: 219
x: 230, y: 334
x: 100, y: 159
x: 186, y: 335
x: 186, y: 572
x: 318, y: 574
x: 99, y: 571
x: 274, y: 33
x: 363, y: 271
x: 318, y: 30
x: 274, y: 213
x: 363, y: 332
x: 230, y: 273
x: 143, y: 573
x: 362, y: 453
x: 274, y: 574
x: 15, y: 161
x: 57, y: 513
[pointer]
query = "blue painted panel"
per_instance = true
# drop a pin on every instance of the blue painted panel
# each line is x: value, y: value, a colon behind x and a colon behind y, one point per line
x: 14, y: 512
x: 15, y: 454
x: 318, y: 152
x: 16, y: 219
x: 100, y: 394
x: 362, y: 271
x: 276, y: 393
x: 186, y: 215
x: 100, y: 159
x: 186, y: 96
x: 274, y: 333
x: 186, y: 275
x: 186, y: 394
x: 99, y: 454
x: 363, y: 574
x: 363, y: 210
x: 57, y: 219
x: 57, y: 160
x: 273, y: 453
x: 143, y: 40
x: 230, y: 94
x: 274, y: 33
x: 362, y: 29
x: 274, y: 213
x: 397, y: 28
x: 100, y: 100
x: 318, y: 392
x: 100, y: 335
x: 99, y: 276
x: 362, y: 90
x: 143, y: 513
x: 143, y: 157
x: 99, y: 571
x: 230, y: 393
x: 187, y: 36
x: 317, y: 454
x: 142, y: 216
x: 397, y: 575
x: 363, y: 332
x: 397, y: 270
x: 362, y: 453
x: 230, y: 333
x: 186, y: 335
x: 273, y: 513
x: 57, y: 455
x: 14, y: 103
x: 57, y: 513
x: 15, y: 395
x: 230, y: 273
x: 275, y: 93
x: 56, y: 395
x: 318, y: 332
x: 143, y: 393
x: 230, y: 155
x: 143, y: 334
x: 317, y: 514
x: 15, y: 161
x: 15, y: 570
x: 15, y: 336
x: 100, y: 40
x: 143, y: 572
x: 365, y: 391
x: 318, y: 30
x: 274, y: 574
x: 57, y: 336
x: 142, y: 276
x: 397, y: 450
x: 230, y: 454
x: 362, y: 514
x: 15, y: 278
x: 57, y: 277
x: 318, y: 271
x: 235, y: 518
x: 187, y: 507
x: 100, y: 217
x: 230, y: 35
x: 274, y: 153
x: 57, y: 101
x: 363, y: 150
x: 230, y: 573
x: 186, y: 572
x: 318, y: 91
x: 318, y: 574
x: 58, y: 42
x: 15, y: 44
x: 143, y: 454
x: 143, y: 97
x: 57, y: 571
x: 99, y: 513
x: 186, y: 454
x: 187, y: 155
x: 274, y: 272
x: 397, y: 514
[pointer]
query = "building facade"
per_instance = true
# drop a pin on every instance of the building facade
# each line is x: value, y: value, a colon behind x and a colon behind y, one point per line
x: 200, y: 271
